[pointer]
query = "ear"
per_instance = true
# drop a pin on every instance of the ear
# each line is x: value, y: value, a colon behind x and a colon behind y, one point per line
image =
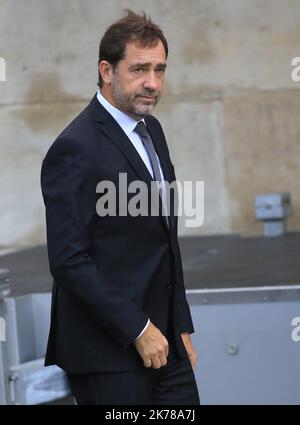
x: 106, y: 71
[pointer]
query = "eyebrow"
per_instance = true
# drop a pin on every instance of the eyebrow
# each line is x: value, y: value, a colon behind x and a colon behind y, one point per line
x: 147, y: 64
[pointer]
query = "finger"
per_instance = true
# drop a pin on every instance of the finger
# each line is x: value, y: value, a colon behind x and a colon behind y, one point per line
x: 167, y: 350
x: 194, y: 363
x: 191, y: 359
x: 147, y: 363
x: 156, y: 362
x: 163, y: 360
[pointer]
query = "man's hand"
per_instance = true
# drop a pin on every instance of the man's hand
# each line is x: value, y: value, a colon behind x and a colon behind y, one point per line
x: 153, y: 347
x: 186, y: 338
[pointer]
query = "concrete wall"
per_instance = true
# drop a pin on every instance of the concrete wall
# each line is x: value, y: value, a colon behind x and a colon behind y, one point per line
x: 230, y: 109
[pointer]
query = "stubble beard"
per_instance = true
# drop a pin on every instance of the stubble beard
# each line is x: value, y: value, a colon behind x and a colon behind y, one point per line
x: 127, y: 102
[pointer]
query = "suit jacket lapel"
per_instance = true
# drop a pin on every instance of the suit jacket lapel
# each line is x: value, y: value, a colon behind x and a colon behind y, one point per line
x: 115, y: 133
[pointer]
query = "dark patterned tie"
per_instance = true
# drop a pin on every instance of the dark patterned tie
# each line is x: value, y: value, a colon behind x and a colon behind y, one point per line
x: 142, y: 131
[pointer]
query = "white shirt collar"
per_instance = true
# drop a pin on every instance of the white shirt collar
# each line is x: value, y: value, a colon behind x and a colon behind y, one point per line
x: 127, y: 123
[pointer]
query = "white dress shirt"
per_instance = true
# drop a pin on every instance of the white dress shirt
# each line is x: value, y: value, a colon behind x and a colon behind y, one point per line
x: 128, y: 125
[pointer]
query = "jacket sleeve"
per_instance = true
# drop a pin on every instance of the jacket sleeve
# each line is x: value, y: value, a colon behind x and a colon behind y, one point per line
x: 182, y: 311
x: 68, y: 189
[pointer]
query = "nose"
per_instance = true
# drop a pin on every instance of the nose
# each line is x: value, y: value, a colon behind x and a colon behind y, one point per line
x: 151, y: 81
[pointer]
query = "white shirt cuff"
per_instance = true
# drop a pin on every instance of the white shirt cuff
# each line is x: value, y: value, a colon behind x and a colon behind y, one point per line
x: 143, y: 330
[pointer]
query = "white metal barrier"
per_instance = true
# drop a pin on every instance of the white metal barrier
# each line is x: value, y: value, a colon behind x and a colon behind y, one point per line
x: 23, y: 377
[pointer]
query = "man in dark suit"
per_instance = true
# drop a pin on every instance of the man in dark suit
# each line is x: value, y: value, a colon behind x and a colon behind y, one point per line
x: 120, y: 321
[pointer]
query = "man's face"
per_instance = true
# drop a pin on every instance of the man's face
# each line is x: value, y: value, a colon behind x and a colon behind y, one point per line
x: 137, y: 82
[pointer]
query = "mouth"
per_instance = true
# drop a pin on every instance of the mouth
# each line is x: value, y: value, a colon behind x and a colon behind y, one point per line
x: 148, y: 97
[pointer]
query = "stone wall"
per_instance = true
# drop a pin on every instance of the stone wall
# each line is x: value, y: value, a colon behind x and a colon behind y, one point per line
x: 230, y: 107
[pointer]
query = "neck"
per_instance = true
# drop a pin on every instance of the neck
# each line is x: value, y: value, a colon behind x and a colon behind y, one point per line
x: 107, y: 95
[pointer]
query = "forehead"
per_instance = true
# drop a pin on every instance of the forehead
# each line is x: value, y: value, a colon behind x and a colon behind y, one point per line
x: 136, y: 53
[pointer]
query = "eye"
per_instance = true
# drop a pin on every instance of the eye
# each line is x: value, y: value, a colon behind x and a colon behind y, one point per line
x: 138, y: 70
x: 160, y: 72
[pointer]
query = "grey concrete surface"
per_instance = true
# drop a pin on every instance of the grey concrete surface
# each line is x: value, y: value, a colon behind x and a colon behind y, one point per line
x: 230, y: 108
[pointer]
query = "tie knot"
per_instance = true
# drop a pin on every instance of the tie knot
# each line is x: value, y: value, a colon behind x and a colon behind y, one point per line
x: 141, y: 129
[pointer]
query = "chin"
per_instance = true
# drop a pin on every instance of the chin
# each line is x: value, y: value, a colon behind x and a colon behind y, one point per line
x: 145, y: 111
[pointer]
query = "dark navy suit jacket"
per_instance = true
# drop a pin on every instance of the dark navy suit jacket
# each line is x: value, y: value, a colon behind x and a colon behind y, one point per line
x: 110, y: 273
